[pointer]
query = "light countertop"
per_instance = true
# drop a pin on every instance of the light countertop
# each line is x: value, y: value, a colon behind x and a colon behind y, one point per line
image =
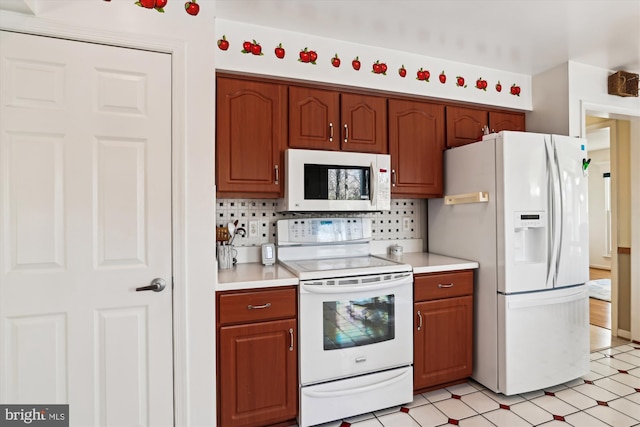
x: 255, y: 275
x: 425, y: 262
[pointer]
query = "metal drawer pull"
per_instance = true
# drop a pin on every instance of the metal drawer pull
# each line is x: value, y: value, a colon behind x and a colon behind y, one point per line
x: 277, y: 174
x: 393, y: 177
x: 330, y: 132
x: 419, y: 320
x: 448, y: 285
x: 291, y: 336
x: 346, y: 133
x: 257, y: 307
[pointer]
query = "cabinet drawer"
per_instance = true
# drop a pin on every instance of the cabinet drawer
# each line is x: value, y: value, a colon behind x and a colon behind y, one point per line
x: 256, y: 306
x: 443, y: 285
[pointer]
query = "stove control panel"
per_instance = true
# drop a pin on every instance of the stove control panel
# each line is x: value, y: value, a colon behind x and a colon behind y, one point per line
x: 323, y: 230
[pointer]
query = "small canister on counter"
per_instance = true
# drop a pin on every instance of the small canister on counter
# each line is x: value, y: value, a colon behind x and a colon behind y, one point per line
x: 395, y: 250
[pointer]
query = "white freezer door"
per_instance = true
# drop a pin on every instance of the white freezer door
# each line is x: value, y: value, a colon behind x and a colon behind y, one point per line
x: 543, y: 339
x: 573, y: 248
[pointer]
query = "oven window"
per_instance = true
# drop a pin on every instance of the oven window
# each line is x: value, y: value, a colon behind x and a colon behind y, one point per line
x: 324, y: 182
x: 354, y: 323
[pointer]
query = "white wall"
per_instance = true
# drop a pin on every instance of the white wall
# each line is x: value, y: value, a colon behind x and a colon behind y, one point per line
x: 550, y: 102
x: 600, y: 164
x: 192, y: 41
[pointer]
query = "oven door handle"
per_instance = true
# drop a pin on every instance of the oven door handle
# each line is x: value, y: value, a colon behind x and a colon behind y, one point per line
x: 344, y: 289
x: 357, y: 390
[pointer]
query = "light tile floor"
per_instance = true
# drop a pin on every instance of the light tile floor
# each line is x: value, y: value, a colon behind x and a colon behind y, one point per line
x: 608, y: 396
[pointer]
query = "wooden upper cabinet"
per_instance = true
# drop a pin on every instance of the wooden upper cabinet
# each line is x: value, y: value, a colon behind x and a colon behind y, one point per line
x: 364, y: 123
x: 464, y: 125
x: 314, y: 118
x: 251, y: 135
x: 330, y: 120
x: 416, y: 143
x: 499, y: 121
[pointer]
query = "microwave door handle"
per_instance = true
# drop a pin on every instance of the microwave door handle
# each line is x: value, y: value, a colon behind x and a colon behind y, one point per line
x: 373, y: 184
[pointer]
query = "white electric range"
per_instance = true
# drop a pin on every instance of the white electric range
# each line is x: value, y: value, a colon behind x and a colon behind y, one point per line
x: 355, y: 319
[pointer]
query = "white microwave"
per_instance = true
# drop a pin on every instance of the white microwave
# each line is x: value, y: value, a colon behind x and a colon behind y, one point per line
x: 319, y: 181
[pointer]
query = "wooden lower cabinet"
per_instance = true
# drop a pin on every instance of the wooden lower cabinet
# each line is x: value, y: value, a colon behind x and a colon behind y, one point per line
x: 258, y: 363
x: 443, y: 329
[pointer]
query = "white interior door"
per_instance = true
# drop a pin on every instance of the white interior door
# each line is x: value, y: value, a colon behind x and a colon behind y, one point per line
x: 85, y: 202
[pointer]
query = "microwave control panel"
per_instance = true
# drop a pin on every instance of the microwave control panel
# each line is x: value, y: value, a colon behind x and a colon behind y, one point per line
x: 323, y: 230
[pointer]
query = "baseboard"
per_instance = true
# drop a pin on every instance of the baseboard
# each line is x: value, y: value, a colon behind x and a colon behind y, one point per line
x: 624, y: 334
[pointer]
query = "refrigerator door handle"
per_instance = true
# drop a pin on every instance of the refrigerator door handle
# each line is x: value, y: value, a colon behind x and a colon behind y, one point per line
x: 555, y: 219
x: 559, y: 208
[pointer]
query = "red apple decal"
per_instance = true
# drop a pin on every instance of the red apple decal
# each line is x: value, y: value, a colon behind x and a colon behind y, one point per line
x: 356, y: 63
x: 498, y: 86
x: 379, y: 68
x: 304, y: 56
x: 192, y: 7
x: 460, y: 81
x: 335, y: 61
x: 402, y: 71
x: 481, y: 84
x: 313, y: 56
x: 442, y: 77
x: 423, y: 75
x: 256, y: 49
x: 153, y: 4
x: 246, y: 47
x: 223, y: 43
x: 279, y: 51
x: 515, y: 90
x: 149, y: 4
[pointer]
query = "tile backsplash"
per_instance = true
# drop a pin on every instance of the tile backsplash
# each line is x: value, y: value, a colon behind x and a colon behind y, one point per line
x: 258, y: 217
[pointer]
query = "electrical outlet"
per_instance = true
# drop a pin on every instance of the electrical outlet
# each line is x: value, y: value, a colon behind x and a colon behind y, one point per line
x: 406, y: 223
x: 253, y: 228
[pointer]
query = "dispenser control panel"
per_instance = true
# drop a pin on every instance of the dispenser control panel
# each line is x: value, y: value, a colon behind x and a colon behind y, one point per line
x: 529, y: 219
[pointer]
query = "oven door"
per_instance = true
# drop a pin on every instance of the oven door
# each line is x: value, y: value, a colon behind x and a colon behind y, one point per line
x: 351, y: 329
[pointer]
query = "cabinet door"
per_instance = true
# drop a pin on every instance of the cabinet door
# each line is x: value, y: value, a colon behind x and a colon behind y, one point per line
x: 364, y: 123
x: 257, y: 373
x: 251, y: 136
x: 443, y: 341
x: 506, y: 121
x: 464, y: 125
x: 314, y: 118
x: 416, y: 141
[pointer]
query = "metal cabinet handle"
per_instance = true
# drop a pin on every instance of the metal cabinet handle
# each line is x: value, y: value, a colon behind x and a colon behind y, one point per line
x: 393, y: 177
x: 258, y: 307
x: 419, y: 320
x: 447, y: 285
x: 157, y: 285
x: 291, y: 337
x: 277, y: 174
x: 346, y: 132
x: 330, y: 132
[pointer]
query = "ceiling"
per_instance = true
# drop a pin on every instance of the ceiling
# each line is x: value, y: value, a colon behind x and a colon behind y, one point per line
x: 521, y: 36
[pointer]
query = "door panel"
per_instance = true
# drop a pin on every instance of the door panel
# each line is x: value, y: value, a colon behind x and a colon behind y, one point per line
x: 573, y: 267
x: 85, y: 143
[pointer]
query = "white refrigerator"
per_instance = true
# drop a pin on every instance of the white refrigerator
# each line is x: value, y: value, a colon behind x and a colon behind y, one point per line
x: 516, y: 202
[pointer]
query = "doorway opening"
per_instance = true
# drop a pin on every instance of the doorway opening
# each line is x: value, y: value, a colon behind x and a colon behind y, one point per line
x: 609, y: 181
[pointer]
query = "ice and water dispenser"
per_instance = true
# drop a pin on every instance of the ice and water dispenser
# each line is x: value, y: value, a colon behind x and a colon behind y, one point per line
x: 530, y: 233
